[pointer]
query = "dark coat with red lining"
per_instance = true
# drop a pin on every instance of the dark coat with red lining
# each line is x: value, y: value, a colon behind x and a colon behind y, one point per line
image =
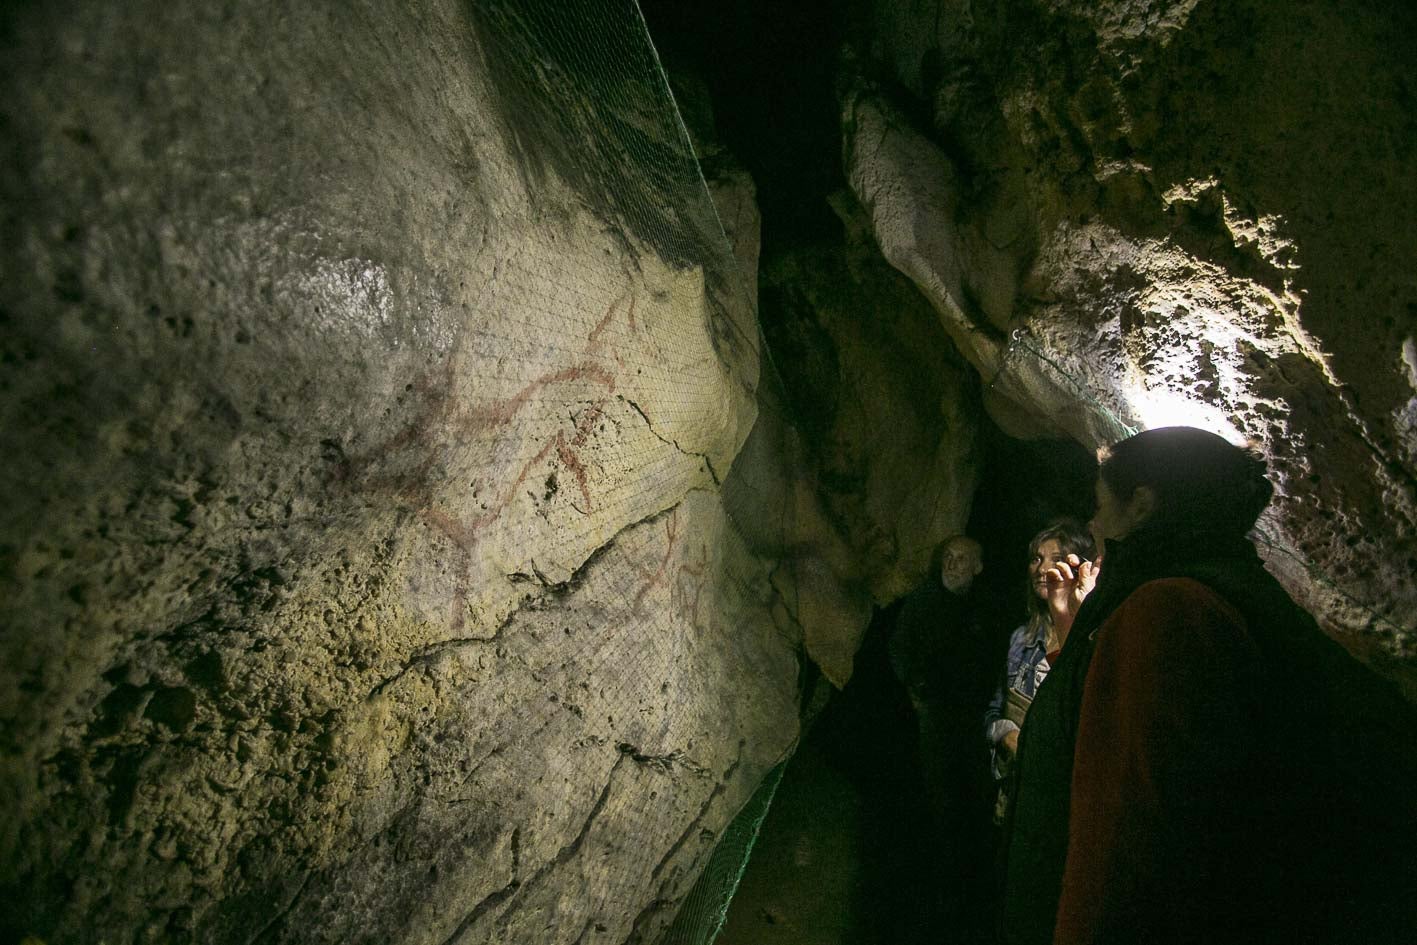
x: 1204, y: 765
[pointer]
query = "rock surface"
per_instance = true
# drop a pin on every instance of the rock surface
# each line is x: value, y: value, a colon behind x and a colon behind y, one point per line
x: 887, y: 412
x: 1137, y: 213
x: 863, y: 453
x: 365, y: 572
x: 405, y: 536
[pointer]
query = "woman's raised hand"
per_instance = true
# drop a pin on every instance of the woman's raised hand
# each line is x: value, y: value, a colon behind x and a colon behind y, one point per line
x: 1069, y: 583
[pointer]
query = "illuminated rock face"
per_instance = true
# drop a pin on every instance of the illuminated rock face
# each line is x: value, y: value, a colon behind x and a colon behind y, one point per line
x: 1157, y: 213
x: 365, y: 572
x: 887, y: 412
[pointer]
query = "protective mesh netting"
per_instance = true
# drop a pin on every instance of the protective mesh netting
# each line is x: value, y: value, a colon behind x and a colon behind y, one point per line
x: 593, y: 107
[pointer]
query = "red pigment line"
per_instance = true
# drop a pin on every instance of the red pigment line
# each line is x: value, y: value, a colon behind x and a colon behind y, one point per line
x: 573, y: 462
x: 500, y: 413
x: 698, y: 586
x: 511, y: 492
x: 585, y: 423
x: 462, y: 537
x: 671, y: 529
x: 593, y: 339
x: 694, y: 580
x: 642, y: 570
x: 438, y: 406
x: 456, y: 531
x: 692, y: 576
x: 701, y: 582
x: 459, y: 602
x: 465, y: 533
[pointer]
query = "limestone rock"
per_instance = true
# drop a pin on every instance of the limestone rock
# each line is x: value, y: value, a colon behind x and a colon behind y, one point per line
x: 1213, y: 194
x: 364, y: 570
x: 886, y: 410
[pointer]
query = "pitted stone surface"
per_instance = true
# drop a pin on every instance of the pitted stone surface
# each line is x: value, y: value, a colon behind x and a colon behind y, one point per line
x: 364, y: 570
x: 1213, y: 236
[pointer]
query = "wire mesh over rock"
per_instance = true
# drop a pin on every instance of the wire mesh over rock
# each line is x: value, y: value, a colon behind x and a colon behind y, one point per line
x: 370, y: 376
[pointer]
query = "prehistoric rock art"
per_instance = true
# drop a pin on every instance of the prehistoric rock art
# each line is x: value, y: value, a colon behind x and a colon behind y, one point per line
x: 1140, y: 213
x: 365, y: 572
x: 863, y: 451
x: 404, y: 536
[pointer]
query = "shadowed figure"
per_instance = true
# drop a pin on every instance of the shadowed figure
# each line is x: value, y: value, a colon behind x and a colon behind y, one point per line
x: 941, y: 654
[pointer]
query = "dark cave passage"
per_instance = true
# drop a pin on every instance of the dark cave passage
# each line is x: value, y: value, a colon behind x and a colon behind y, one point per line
x: 848, y: 852
x: 770, y: 73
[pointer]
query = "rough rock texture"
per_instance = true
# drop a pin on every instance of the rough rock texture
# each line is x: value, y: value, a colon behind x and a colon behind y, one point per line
x: 886, y: 411
x: 864, y: 444
x: 364, y: 567
x: 1138, y: 212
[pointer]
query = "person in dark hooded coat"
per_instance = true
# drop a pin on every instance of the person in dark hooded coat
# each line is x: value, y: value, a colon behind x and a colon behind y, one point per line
x: 1202, y: 764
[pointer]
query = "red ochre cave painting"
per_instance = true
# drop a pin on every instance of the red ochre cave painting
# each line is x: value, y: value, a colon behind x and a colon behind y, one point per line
x: 690, y: 584
x: 444, y: 421
x: 685, y: 581
x: 653, y: 580
x: 498, y: 414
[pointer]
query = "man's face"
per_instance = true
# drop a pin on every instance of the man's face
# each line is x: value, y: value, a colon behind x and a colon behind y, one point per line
x: 959, y: 566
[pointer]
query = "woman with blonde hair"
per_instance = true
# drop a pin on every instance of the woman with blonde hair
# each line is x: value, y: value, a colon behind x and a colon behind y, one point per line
x: 1032, y: 646
x: 1204, y: 765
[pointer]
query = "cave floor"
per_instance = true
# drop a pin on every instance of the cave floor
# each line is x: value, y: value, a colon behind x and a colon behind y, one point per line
x: 849, y: 854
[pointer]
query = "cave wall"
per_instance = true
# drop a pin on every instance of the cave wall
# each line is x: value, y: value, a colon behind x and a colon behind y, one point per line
x: 365, y: 566
x: 887, y: 412
x: 1135, y: 213
x: 405, y: 535
x: 863, y: 458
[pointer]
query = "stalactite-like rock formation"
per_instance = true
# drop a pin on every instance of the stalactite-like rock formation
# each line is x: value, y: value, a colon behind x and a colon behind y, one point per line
x: 1140, y: 213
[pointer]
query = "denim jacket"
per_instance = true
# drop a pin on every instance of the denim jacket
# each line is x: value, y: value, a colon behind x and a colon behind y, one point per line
x: 1024, y: 672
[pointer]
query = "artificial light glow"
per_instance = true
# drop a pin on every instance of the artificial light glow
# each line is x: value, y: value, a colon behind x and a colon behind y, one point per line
x: 1159, y: 407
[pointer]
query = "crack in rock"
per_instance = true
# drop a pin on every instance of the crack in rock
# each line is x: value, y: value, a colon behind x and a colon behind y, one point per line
x: 660, y: 902
x: 564, y: 855
x: 669, y: 441
x: 663, y: 762
x: 265, y: 932
x: 718, y: 790
x: 492, y: 900
x: 425, y: 655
